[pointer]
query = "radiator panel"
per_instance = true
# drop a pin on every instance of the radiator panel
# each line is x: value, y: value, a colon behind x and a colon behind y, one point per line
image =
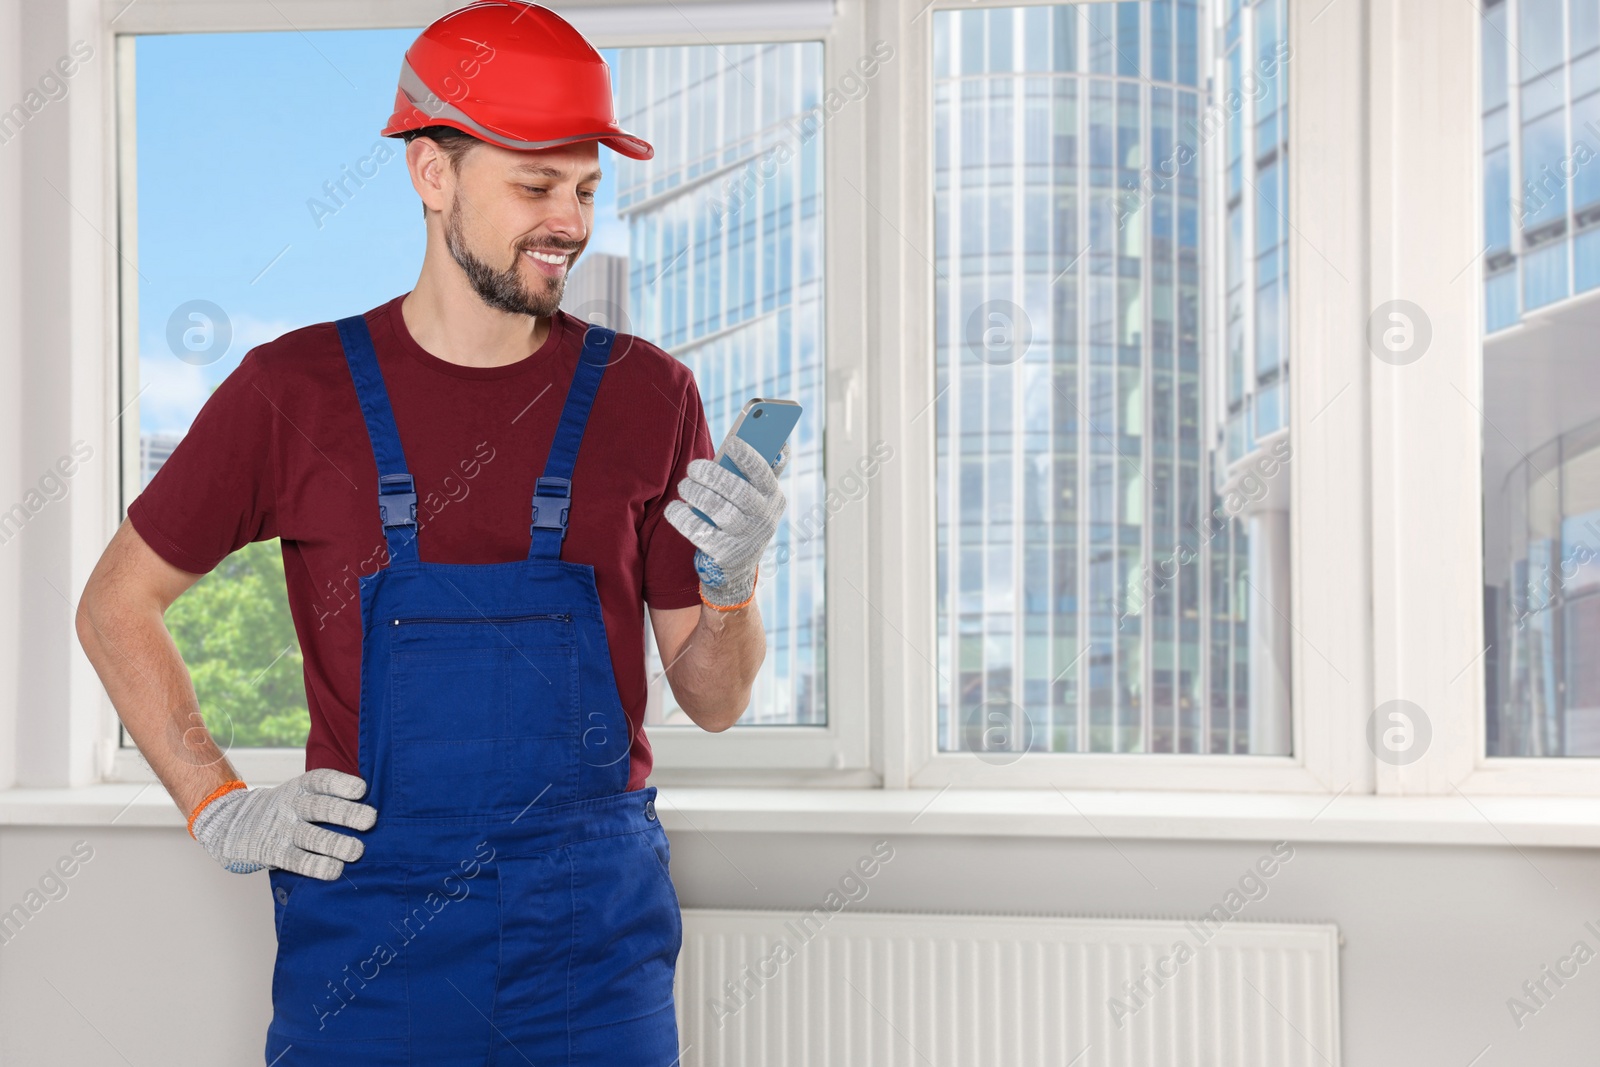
x: 914, y: 990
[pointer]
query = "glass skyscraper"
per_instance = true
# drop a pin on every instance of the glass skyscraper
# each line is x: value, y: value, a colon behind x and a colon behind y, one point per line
x: 725, y: 272
x: 1095, y: 574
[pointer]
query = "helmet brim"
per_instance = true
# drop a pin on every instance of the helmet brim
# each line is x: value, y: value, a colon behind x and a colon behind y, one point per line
x: 622, y: 143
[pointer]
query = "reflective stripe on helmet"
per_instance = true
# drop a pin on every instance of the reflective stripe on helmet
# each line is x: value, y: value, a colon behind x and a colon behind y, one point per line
x: 429, y: 103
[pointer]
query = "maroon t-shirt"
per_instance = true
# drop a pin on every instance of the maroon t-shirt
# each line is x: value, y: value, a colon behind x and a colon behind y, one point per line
x: 280, y: 450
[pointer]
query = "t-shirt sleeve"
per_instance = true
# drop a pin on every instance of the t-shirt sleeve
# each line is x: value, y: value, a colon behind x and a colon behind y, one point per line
x: 217, y: 491
x: 670, y: 580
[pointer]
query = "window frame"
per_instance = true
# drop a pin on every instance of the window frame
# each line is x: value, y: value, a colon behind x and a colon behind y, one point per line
x: 1326, y: 490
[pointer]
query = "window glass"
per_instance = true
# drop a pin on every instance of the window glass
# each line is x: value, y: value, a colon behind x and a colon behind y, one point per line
x: 1541, y: 431
x: 1156, y: 577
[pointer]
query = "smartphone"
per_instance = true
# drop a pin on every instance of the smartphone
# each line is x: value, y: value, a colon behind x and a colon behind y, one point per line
x: 764, y: 425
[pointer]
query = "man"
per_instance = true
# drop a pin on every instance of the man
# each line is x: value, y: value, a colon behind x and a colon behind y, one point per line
x: 471, y: 870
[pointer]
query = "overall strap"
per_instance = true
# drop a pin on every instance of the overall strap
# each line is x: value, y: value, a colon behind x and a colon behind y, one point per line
x: 552, y: 493
x: 397, y: 494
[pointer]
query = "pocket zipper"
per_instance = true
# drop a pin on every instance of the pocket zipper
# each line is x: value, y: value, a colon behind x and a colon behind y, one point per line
x: 555, y: 616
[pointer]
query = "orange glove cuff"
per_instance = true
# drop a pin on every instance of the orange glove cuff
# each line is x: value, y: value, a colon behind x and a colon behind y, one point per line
x: 733, y: 607
x: 225, y: 787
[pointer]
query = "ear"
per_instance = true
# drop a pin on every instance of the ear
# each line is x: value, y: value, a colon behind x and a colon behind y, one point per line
x: 430, y: 171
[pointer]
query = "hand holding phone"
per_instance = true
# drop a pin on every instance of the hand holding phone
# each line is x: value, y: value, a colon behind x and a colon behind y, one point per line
x: 764, y: 425
x: 749, y: 506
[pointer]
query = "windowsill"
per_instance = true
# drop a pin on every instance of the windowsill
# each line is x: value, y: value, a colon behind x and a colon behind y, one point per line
x: 1562, y: 822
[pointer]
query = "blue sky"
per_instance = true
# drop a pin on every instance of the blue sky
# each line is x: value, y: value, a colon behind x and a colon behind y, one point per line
x: 237, y: 134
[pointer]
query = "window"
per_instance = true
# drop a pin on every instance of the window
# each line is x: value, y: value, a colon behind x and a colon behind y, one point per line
x: 1064, y: 300
x: 713, y: 250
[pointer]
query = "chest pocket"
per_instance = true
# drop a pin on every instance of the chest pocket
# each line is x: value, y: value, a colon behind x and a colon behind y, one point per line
x: 484, y: 715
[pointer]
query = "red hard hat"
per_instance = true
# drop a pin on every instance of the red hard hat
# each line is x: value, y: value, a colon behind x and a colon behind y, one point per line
x: 514, y: 74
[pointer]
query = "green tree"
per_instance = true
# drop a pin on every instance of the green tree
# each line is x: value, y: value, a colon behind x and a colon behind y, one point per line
x: 235, y: 632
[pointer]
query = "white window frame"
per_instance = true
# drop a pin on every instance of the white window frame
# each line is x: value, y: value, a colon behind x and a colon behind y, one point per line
x: 1427, y: 493
x: 1330, y: 619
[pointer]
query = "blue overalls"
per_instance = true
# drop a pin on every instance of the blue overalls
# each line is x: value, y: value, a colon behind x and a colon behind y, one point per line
x: 513, y: 904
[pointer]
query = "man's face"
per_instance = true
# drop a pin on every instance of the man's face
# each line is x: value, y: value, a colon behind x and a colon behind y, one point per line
x: 519, y: 220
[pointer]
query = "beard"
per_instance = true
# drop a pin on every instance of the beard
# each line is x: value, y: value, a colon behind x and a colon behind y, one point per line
x: 503, y: 290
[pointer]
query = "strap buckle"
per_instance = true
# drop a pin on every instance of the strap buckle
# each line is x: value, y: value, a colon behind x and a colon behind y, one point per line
x: 552, y: 514
x: 397, y: 500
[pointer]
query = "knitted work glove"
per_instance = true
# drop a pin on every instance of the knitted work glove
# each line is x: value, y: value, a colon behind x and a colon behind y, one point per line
x: 746, y: 514
x: 248, y: 829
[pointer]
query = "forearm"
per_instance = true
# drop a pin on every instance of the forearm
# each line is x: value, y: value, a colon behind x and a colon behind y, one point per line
x: 150, y: 687
x: 713, y: 674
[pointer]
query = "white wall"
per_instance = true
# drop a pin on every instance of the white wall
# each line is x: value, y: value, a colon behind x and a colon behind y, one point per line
x: 10, y: 375
x: 157, y: 956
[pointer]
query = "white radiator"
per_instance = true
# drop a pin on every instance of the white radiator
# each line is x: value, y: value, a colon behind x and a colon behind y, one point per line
x: 780, y: 989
